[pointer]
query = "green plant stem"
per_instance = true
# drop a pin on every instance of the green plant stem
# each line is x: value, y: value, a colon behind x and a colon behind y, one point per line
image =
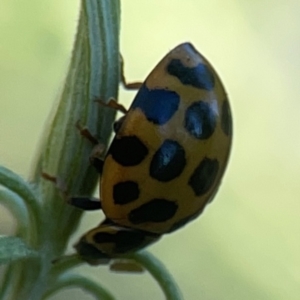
x: 93, y: 73
x: 16, y: 205
x: 65, y: 264
x: 159, y: 272
x: 24, y: 191
x: 71, y: 280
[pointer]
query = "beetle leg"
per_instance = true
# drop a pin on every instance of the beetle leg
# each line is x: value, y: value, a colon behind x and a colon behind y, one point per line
x: 81, y: 202
x: 58, y: 183
x: 131, y: 85
x: 96, y: 159
x: 112, y: 103
x: 125, y: 265
x: 84, y: 131
x: 85, y: 203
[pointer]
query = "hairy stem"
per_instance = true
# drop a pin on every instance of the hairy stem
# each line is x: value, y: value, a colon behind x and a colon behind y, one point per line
x: 93, y: 73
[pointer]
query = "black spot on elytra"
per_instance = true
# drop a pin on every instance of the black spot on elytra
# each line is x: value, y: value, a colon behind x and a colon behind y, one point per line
x: 200, y: 76
x: 156, y: 211
x: 125, y: 192
x: 226, y: 121
x: 158, y: 105
x: 168, y: 162
x: 128, y: 150
x: 123, y: 240
x: 200, y: 120
x: 85, y: 203
x: 88, y: 251
x: 204, y: 176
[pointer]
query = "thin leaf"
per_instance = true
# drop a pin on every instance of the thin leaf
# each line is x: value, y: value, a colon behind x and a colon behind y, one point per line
x: 13, y: 248
x: 160, y: 273
x: 63, y: 264
x: 71, y: 280
x: 18, y: 185
x: 17, y: 208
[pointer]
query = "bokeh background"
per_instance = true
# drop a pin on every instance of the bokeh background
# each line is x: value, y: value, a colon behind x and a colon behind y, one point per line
x: 247, y: 243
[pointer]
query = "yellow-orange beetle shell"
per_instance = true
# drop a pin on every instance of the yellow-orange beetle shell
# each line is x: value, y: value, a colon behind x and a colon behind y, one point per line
x: 169, y: 154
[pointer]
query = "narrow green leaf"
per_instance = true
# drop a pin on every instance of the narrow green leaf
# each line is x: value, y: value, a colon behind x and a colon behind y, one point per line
x: 159, y: 272
x: 63, y: 153
x: 13, y: 248
x: 71, y: 280
x: 17, y: 208
x: 19, y: 186
x: 64, y: 264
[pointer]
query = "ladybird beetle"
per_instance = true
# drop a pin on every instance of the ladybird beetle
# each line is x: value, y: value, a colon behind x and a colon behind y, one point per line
x: 167, y: 158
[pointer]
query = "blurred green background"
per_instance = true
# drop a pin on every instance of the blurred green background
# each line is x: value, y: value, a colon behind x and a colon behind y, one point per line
x: 247, y: 243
